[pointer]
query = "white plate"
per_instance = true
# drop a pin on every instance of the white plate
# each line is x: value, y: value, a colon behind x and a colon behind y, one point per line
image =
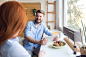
x: 58, y: 46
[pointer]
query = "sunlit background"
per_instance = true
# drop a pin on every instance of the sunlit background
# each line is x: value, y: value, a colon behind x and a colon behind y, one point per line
x: 76, y: 11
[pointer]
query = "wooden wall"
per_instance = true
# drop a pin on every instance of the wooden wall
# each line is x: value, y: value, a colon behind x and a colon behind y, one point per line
x: 29, y: 11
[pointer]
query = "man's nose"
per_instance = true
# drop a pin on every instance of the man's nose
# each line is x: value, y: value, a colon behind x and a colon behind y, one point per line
x: 38, y: 17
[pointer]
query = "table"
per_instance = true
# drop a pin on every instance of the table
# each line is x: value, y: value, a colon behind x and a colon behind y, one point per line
x: 66, y: 51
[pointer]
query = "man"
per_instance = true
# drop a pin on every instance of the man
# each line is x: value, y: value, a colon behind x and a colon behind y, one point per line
x: 33, y: 33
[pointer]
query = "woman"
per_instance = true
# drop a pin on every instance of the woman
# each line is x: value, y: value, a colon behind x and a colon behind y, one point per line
x: 12, y: 23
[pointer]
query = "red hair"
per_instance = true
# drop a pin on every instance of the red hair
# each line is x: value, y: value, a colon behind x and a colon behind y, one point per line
x: 12, y: 20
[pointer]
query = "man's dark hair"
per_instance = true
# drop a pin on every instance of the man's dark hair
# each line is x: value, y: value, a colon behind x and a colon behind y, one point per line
x: 40, y: 11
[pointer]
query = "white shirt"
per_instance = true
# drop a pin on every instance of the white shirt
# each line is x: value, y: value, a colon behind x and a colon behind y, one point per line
x: 11, y: 48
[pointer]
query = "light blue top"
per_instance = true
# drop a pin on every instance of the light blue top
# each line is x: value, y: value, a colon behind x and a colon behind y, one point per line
x: 35, y: 32
x: 12, y: 48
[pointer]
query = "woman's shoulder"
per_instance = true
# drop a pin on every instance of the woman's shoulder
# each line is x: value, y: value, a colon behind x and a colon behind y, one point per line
x: 12, y: 48
x: 7, y: 44
x: 6, y: 47
x: 18, y: 51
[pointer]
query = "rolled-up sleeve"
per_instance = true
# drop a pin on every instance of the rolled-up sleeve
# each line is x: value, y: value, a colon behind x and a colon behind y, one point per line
x: 47, y: 31
x: 27, y: 29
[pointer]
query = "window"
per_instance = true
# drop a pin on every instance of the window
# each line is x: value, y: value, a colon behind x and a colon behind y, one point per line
x: 76, y: 11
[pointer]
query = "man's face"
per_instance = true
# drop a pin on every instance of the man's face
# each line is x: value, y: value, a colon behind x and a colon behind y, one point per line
x: 39, y: 18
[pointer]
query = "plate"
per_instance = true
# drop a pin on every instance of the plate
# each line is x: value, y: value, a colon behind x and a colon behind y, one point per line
x: 57, y: 47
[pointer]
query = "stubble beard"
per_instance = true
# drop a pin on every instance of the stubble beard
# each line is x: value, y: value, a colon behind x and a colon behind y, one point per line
x: 37, y: 22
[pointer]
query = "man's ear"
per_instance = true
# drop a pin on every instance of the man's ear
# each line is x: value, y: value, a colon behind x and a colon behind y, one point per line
x: 43, y: 17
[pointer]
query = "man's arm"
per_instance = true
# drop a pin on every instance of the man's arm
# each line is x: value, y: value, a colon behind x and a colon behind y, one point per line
x: 47, y: 31
x: 30, y: 39
x: 43, y: 41
x: 28, y: 33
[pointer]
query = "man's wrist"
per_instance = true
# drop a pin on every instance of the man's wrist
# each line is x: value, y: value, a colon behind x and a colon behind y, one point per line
x: 52, y: 34
x: 38, y: 42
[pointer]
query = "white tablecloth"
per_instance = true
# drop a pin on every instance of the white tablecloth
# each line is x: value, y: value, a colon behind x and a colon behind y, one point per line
x: 66, y: 51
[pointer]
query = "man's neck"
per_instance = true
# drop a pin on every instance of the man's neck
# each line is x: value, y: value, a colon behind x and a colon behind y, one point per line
x: 37, y: 24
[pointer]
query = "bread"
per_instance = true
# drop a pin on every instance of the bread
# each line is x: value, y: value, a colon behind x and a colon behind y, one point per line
x: 60, y: 44
x: 55, y: 44
x: 71, y: 44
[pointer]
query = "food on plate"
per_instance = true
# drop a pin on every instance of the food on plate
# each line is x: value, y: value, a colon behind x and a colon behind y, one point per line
x: 55, y: 44
x: 56, y: 38
x: 58, y: 43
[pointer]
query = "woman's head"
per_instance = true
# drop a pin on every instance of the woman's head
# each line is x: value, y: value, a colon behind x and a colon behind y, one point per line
x: 12, y: 20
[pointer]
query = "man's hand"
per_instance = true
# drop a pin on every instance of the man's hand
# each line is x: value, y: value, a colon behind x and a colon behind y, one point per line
x: 41, y: 53
x: 56, y: 38
x: 43, y: 41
